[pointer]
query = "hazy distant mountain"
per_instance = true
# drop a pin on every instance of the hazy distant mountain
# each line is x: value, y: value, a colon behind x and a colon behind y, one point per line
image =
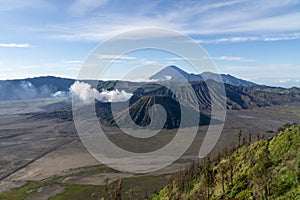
x: 175, y: 74
x: 228, y: 79
x: 32, y: 88
x: 57, y: 83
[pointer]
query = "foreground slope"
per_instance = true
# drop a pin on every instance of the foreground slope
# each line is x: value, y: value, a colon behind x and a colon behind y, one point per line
x: 267, y: 169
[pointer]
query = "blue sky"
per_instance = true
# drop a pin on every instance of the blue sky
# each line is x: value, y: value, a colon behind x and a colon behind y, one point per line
x: 255, y: 40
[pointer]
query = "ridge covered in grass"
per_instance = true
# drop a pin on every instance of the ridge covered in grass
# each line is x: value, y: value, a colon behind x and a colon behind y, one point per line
x: 266, y: 169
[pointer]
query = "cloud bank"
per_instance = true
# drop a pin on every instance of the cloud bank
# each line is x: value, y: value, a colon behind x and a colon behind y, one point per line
x: 241, y: 20
x: 14, y: 45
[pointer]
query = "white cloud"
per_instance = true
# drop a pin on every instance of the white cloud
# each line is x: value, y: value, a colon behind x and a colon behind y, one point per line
x: 231, y: 39
x: 141, y: 80
x: 90, y: 30
x: 15, y: 45
x: 179, y: 58
x: 81, y: 7
x: 277, y: 37
x: 72, y: 61
x: 113, y: 96
x: 285, y: 22
x: 111, y: 56
x: 232, y: 58
x: 251, y: 17
x: 195, y: 18
x: 218, y: 5
x: 97, y: 20
x: 284, y: 81
x: 87, y: 94
x: 60, y: 94
x: 149, y: 62
x: 167, y: 78
x: 290, y: 36
x: 83, y: 91
x: 8, y: 5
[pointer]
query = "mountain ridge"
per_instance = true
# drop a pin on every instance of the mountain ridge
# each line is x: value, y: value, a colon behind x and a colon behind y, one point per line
x: 175, y: 74
x: 245, y: 92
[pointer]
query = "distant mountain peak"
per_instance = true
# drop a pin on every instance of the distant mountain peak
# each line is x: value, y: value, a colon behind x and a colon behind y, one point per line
x: 173, y: 67
x: 173, y: 73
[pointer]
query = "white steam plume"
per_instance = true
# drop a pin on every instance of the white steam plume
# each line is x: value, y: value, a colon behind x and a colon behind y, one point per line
x: 87, y: 94
x: 60, y: 94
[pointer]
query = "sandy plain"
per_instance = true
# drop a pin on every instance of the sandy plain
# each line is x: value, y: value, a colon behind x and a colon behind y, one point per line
x: 36, y: 149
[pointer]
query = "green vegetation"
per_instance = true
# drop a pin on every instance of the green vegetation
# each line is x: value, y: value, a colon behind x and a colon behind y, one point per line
x: 77, y: 192
x: 130, y: 188
x: 30, y: 188
x: 266, y: 169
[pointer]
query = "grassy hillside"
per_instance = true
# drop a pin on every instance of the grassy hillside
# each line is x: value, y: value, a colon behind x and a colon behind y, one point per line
x: 266, y: 169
